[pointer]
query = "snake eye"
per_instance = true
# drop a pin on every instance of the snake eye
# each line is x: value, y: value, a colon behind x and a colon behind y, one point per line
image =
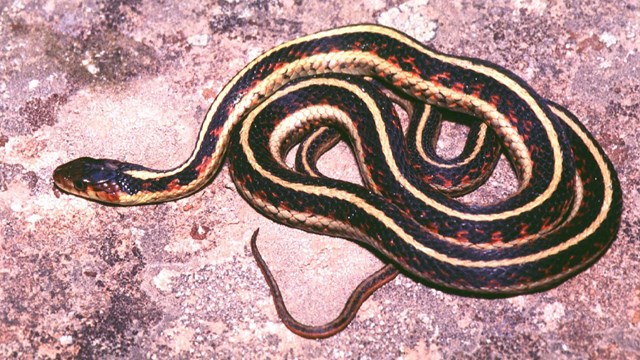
x: 80, y: 185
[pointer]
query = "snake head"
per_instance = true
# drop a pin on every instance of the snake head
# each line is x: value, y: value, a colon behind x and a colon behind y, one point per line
x: 94, y: 179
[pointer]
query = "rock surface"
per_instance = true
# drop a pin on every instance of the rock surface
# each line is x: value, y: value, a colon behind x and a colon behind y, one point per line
x: 132, y: 79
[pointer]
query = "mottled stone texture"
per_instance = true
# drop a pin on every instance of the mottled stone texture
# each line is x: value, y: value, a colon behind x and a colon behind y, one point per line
x: 132, y: 79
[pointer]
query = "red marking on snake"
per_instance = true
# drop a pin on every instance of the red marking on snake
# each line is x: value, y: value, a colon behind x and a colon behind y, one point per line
x: 458, y: 87
x: 393, y: 59
x: 477, y: 88
x: 466, y: 179
x: 204, y: 164
x: 260, y: 194
x: 495, y: 99
x: 412, y: 62
x: 216, y: 132
x: 279, y: 66
x: 436, y: 79
x: 462, y: 236
x: 109, y: 190
x: 432, y: 227
x: 567, y: 266
x: 112, y: 197
x: 546, y: 225
x: 444, y: 181
x: 496, y: 237
x: 173, y: 185
x: 513, y: 117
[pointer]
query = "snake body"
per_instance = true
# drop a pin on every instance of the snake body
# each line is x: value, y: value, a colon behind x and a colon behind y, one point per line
x: 316, y: 90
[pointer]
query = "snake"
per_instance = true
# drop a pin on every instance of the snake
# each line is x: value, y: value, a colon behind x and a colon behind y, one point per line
x: 353, y: 84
